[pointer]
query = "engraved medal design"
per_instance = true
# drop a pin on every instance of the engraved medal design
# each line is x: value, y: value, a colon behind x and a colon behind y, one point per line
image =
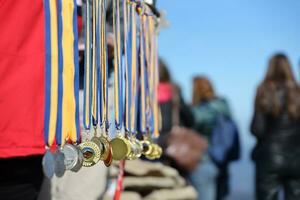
x: 91, y: 153
x: 73, y: 157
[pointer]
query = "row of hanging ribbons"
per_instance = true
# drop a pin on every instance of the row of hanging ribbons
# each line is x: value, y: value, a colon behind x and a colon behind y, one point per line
x: 135, y: 78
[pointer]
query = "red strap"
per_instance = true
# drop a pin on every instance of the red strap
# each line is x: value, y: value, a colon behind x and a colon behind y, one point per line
x: 120, y: 180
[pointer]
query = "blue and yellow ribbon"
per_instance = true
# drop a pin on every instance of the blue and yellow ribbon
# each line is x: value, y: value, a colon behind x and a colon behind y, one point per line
x: 143, y: 76
x: 87, y: 91
x: 51, y: 71
x: 118, y: 86
x: 62, y: 73
x: 104, y: 68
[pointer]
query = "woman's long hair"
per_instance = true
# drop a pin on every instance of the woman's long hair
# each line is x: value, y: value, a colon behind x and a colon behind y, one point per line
x: 202, y: 90
x: 279, y: 91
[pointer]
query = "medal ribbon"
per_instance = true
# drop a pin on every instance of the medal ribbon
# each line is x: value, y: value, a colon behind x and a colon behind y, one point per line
x: 134, y: 79
x: 118, y: 87
x: 143, y: 76
x: 95, y: 62
x: 70, y: 76
x: 104, y: 69
x: 62, y: 77
x: 154, y: 76
x: 50, y: 119
x: 87, y: 92
x: 126, y: 50
x: 132, y: 76
x: 149, y: 98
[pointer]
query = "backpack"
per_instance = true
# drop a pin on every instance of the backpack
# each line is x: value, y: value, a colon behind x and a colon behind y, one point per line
x: 224, y: 141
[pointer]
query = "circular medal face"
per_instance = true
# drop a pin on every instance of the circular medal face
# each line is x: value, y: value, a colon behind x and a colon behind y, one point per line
x: 60, y: 167
x: 71, y: 156
x: 91, y: 153
x: 120, y: 148
x: 48, y: 164
x: 105, y: 147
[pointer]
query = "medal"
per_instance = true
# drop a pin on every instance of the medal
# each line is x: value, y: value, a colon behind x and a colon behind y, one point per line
x: 62, y: 83
x: 106, y: 147
x: 60, y: 167
x: 109, y: 159
x: 120, y: 148
x: 147, y: 148
x: 136, y: 149
x: 91, y: 153
x: 48, y: 164
x: 73, y: 157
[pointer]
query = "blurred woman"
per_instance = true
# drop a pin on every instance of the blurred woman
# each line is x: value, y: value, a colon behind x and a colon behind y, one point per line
x: 206, y: 108
x: 171, y: 101
x: 276, y: 126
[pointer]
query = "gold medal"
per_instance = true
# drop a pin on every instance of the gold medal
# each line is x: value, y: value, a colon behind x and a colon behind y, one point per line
x: 91, y: 153
x: 151, y: 155
x: 147, y: 147
x: 120, y: 148
x: 157, y: 151
x: 136, y: 149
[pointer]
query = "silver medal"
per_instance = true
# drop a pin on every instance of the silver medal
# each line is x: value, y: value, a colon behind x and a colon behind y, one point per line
x: 48, y: 164
x: 60, y: 167
x: 73, y: 157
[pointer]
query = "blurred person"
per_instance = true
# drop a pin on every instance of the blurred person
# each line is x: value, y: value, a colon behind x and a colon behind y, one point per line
x: 169, y: 94
x: 211, y: 177
x: 276, y: 126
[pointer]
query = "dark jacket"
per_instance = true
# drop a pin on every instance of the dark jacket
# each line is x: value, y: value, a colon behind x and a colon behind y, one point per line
x: 278, y: 141
x: 167, y: 108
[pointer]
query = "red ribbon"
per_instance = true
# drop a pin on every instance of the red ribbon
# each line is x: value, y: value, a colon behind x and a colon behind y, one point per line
x: 120, y: 180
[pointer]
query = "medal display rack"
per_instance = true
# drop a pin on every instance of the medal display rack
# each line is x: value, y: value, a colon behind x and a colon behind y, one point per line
x: 135, y: 77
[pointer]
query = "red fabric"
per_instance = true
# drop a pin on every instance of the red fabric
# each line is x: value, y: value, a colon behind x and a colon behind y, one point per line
x: 120, y: 180
x: 22, y: 60
x: 165, y: 92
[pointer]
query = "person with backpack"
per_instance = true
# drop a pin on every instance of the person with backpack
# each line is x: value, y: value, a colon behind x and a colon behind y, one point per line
x: 213, y: 120
x: 276, y: 126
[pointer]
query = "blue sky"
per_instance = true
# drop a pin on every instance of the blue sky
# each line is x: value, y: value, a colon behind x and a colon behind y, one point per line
x: 231, y: 42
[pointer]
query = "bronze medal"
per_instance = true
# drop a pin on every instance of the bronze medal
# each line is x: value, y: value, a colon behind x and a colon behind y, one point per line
x: 105, y: 147
x: 109, y: 158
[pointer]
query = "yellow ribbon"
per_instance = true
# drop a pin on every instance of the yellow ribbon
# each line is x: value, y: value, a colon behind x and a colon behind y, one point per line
x: 104, y: 64
x: 133, y: 67
x: 68, y: 99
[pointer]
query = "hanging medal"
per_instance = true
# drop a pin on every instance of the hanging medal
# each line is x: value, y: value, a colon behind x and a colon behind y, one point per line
x: 73, y: 157
x: 154, y: 81
x: 144, y: 88
x: 61, y: 113
x: 120, y: 145
x: 133, y: 83
x: 151, y: 150
x: 106, y: 156
x: 91, y: 149
x: 51, y: 85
